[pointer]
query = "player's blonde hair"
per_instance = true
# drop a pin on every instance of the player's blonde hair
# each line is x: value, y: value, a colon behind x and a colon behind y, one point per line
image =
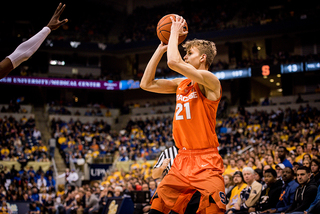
x: 204, y: 46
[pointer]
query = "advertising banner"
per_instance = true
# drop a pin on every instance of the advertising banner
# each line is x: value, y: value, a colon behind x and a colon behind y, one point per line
x: 97, y: 171
x: 62, y: 83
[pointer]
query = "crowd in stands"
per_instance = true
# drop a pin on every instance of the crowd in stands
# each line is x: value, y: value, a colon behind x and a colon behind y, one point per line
x: 93, y: 21
x: 141, y: 24
x: 21, y: 141
x: 264, y: 153
x: 36, y: 187
x: 89, y: 142
x: 255, y: 143
x: 77, y: 141
x: 89, y: 112
x: 14, y: 107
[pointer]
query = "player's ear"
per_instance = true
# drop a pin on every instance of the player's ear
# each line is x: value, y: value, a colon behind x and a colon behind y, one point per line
x: 203, y: 57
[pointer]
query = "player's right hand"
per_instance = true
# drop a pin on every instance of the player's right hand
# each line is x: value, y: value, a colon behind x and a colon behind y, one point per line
x: 177, y: 25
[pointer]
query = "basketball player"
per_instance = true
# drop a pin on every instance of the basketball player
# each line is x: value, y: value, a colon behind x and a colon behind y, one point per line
x: 198, y: 165
x: 26, y: 49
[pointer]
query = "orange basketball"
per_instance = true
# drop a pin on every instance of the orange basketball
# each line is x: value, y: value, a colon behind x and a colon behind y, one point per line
x: 164, y: 28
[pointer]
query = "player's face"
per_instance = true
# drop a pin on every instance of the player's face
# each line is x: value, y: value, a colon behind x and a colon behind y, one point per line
x: 193, y: 57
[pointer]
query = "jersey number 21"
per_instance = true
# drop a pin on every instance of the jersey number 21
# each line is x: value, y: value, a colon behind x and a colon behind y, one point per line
x: 179, y: 109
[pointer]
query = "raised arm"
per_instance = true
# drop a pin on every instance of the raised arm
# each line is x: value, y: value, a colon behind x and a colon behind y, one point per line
x: 197, y: 71
x: 26, y: 49
x: 5, y: 67
x: 148, y: 81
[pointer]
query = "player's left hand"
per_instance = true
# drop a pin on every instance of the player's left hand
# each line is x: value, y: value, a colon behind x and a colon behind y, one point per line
x: 177, y: 25
x: 55, y: 23
x: 163, y: 47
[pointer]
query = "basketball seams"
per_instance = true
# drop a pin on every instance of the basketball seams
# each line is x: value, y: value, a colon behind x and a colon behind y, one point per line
x: 164, y: 18
x: 170, y: 23
x: 164, y: 27
x: 164, y: 37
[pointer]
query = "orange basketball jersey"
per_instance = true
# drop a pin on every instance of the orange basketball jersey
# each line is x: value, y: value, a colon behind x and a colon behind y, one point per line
x: 195, y: 118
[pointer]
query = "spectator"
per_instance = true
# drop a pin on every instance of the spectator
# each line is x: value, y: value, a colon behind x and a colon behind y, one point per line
x: 258, y: 176
x: 35, y: 196
x: 249, y: 195
x: 88, y: 113
x: 282, y: 154
x: 60, y: 191
x: 153, y: 188
x: 49, y: 172
x: 52, y: 144
x: 300, y: 153
x: 235, y: 192
x: 26, y: 197
x: 299, y: 99
x: 288, y: 192
x: 49, y: 206
x: 306, y: 163
x: 145, y: 206
x: 266, y: 101
x: 228, y: 182
x: 279, y: 170
x: 241, y: 164
x: 315, y: 206
x: 51, y: 183
x: 118, y: 191
x: 36, y: 134
x: 5, y: 208
x: 92, y: 202
x: 72, y: 204
x: 41, y: 181
x: 23, y: 160
x: 34, y: 209
x: 270, y: 195
x: 73, y: 177
x: 232, y: 168
x: 315, y: 169
x: 296, y: 166
x: 305, y: 193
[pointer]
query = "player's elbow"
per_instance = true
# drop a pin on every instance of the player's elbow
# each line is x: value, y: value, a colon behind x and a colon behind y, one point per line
x: 143, y: 85
x: 172, y: 64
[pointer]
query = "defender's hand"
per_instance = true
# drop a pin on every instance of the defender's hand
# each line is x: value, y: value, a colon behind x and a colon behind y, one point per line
x: 55, y: 23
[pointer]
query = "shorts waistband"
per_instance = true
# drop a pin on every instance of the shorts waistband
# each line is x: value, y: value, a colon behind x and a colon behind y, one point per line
x: 198, y: 151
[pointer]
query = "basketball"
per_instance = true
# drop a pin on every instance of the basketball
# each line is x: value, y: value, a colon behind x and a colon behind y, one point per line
x: 164, y: 28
